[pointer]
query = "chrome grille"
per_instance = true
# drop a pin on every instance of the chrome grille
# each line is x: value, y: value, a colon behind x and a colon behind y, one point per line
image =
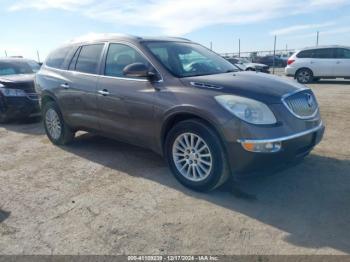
x: 302, y: 104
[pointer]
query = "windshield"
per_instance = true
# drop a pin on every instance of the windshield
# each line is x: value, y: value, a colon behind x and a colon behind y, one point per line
x: 189, y: 59
x: 16, y: 67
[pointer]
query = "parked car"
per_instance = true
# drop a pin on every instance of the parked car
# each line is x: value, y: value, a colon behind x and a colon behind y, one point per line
x: 181, y: 100
x: 18, y: 98
x: 246, y: 65
x: 312, y: 64
x: 268, y: 60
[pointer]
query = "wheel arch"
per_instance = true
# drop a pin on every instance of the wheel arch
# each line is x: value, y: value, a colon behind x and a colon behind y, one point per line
x: 301, y: 68
x: 177, y: 117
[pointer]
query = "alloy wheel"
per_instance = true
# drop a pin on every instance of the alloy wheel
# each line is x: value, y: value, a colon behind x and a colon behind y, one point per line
x: 304, y: 76
x: 192, y: 157
x: 53, y: 124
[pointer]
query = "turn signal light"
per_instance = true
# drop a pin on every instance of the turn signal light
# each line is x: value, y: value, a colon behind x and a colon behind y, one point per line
x: 270, y: 147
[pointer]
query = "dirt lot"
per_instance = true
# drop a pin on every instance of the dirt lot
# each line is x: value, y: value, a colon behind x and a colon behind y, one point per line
x: 98, y: 196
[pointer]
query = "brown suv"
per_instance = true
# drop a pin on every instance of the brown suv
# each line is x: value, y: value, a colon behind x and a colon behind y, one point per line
x: 181, y: 100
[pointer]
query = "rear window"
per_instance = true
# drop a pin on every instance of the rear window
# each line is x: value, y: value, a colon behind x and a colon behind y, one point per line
x: 89, y: 58
x: 57, y: 57
x: 305, y: 54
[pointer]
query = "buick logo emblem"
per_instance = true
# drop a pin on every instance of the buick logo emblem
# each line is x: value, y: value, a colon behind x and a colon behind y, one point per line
x: 310, y: 100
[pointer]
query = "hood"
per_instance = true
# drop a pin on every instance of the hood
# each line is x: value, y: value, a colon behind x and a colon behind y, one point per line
x: 256, y: 65
x: 20, y: 81
x: 19, y: 78
x: 259, y: 86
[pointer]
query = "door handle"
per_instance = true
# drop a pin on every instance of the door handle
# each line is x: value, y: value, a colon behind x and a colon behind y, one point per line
x: 103, y: 92
x: 65, y: 86
x: 338, y: 62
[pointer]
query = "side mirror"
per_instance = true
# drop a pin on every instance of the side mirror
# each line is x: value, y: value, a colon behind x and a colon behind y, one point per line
x: 136, y: 70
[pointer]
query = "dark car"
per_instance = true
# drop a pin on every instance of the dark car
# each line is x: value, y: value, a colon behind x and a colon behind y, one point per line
x: 18, y: 98
x: 246, y: 65
x: 181, y: 100
x: 268, y: 60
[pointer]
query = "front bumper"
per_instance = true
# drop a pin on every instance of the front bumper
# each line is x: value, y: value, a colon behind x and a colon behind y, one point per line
x: 19, y: 107
x: 293, y: 147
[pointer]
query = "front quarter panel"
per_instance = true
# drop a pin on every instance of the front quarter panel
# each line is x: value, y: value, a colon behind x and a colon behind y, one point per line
x: 178, y: 99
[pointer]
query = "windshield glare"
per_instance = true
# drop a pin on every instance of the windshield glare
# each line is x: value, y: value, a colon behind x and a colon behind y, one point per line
x: 189, y: 59
x: 15, y: 68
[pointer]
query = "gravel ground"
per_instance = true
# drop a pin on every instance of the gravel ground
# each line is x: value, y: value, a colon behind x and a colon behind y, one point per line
x: 98, y: 196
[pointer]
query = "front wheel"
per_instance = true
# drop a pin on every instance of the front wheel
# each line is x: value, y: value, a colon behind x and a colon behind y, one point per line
x: 195, y: 155
x: 56, y: 129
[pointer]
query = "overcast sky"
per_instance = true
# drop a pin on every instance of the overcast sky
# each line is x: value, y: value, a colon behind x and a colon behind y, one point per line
x: 31, y: 25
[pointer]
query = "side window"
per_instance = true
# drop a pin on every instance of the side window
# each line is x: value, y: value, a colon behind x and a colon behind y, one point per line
x: 305, y: 54
x: 324, y: 53
x: 162, y: 54
x: 343, y: 53
x: 89, y: 58
x: 346, y: 53
x: 57, y: 57
x: 73, y: 62
x: 119, y: 56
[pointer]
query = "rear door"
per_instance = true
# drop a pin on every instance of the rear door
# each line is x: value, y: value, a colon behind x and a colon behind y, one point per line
x: 81, y: 86
x: 323, y: 62
x: 342, y: 67
x: 126, y: 105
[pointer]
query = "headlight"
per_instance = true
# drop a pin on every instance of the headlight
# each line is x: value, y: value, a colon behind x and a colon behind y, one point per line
x: 11, y: 92
x: 249, y: 110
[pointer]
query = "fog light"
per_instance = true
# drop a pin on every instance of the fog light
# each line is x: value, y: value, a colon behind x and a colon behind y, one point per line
x: 260, y: 147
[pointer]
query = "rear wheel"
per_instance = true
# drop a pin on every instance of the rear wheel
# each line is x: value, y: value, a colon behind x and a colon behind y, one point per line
x: 195, y: 155
x: 304, y: 76
x: 56, y: 129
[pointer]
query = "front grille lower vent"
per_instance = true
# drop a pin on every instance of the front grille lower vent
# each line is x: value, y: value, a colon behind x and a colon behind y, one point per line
x: 302, y: 104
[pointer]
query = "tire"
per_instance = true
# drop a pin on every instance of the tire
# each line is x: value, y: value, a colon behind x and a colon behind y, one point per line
x: 250, y: 69
x: 56, y: 129
x: 304, y: 76
x: 189, y: 168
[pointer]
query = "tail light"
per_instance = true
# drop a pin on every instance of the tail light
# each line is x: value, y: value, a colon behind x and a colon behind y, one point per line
x: 290, y: 61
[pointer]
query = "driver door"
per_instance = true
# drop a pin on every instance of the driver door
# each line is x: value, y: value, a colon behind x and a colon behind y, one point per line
x: 126, y: 105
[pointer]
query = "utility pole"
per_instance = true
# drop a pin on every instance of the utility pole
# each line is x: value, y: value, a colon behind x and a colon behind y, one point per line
x: 233, y: 48
x: 318, y: 34
x: 211, y: 45
x: 37, y: 53
x: 239, y: 47
x: 274, y: 54
x: 5, y: 53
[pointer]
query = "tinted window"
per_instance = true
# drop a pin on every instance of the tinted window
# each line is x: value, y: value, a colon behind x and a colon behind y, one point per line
x: 119, y: 56
x: 15, y: 67
x: 305, y: 54
x: 57, y: 57
x: 34, y: 66
x: 89, y: 58
x: 74, y: 60
x: 343, y: 53
x: 324, y: 53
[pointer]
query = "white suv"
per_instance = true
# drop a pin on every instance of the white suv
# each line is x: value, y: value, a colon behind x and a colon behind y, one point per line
x: 311, y: 64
